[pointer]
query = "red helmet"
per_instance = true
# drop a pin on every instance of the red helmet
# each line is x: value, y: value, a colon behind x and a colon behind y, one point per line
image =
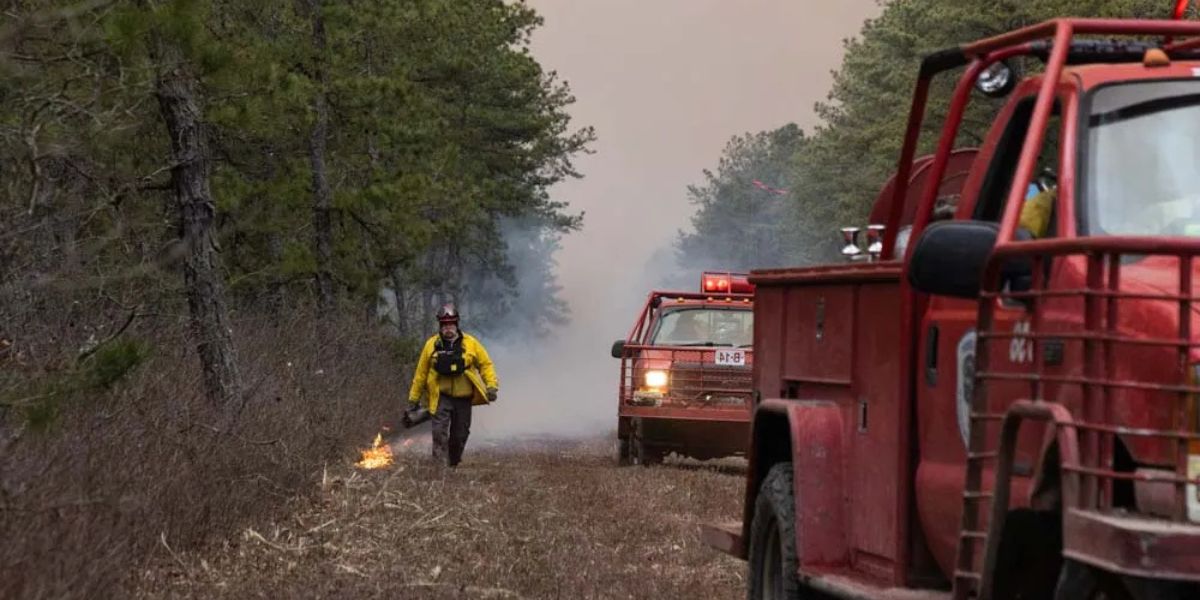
x: 447, y: 314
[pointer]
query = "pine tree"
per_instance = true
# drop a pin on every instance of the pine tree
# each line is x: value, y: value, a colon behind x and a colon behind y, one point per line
x: 246, y: 158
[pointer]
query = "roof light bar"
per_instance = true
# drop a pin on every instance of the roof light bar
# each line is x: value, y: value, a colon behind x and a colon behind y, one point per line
x: 725, y: 283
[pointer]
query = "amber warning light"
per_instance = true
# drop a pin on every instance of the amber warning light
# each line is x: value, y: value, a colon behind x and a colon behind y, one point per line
x: 725, y: 283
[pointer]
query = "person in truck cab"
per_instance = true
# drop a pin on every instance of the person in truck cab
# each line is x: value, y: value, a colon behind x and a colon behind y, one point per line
x: 729, y: 329
x: 689, y: 328
x: 1035, y: 213
x: 1038, y: 209
x: 454, y: 372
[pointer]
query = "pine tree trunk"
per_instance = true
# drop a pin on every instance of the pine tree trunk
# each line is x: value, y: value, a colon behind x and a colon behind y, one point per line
x: 322, y: 223
x: 276, y: 296
x: 179, y: 105
x: 275, y: 292
x: 372, y: 143
x: 398, y: 288
x: 455, y: 274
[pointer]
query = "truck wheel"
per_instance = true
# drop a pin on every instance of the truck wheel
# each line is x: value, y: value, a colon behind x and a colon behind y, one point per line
x: 645, y: 454
x: 1078, y: 581
x: 1030, y: 555
x: 623, y: 457
x: 773, y: 560
x: 641, y: 453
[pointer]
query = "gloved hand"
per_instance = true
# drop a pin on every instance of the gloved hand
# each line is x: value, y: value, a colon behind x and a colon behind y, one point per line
x: 491, y: 394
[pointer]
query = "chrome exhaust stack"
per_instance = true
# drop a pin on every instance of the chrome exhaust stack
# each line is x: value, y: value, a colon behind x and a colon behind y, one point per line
x: 854, y: 252
x: 851, y: 251
x: 875, y: 241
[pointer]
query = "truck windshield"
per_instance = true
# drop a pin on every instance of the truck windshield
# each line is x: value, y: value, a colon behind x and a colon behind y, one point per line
x: 1143, y: 149
x: 705, y: 327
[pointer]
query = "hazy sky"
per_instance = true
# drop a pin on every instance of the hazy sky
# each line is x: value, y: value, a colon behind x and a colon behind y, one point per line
x: 666, y: 83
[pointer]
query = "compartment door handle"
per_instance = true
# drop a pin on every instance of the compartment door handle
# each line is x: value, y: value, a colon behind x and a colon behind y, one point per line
x: 931, y: 355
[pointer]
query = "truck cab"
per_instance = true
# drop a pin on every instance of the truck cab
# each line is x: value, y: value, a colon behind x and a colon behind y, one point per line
x: 1004, y: 404
x: 685, y: 373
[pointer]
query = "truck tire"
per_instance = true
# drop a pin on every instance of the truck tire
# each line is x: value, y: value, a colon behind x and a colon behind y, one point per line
x: 772, y: 549
x: 1029, y: 561
x: 1078, y: 581
x: 641, y: 453
x: 646, y: 455
x: 623, y: 456
x: 1084, y: 582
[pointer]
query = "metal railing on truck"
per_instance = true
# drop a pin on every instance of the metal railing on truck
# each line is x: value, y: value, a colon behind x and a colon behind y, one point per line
x: 693, y: 379
x: 1093, y: 375
x: 1055, y: 42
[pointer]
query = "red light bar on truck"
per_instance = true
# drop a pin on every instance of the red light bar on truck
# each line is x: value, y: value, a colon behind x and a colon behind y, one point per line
x: 725, y: 283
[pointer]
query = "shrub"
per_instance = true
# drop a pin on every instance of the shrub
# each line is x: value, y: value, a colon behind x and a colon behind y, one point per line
x: 142, y: 465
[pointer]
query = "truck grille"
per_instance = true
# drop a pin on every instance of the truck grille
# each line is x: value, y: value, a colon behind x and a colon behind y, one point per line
x: 694, y: 379
x: 696, y: 383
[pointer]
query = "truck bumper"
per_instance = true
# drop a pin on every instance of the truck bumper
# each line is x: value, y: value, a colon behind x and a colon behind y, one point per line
x: 1133, y: 545
x: 700, y: 434
x: 730, y: 415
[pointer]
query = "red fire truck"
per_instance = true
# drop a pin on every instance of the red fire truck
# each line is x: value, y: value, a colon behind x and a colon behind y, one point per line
x: 685, y: 373
x: 1005, y: 406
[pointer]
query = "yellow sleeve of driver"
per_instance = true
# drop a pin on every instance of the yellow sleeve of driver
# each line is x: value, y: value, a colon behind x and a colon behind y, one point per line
x: 421, y: 373
x: 1035, y: 213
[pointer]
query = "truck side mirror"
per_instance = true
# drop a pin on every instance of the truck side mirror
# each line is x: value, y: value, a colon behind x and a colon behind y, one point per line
x: 618, y: 349
x: 949, y: 258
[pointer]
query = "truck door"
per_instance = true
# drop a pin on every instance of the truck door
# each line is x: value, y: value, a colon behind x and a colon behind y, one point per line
x: 948, y: 337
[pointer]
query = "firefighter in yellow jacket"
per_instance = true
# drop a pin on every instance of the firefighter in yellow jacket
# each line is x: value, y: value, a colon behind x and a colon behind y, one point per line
x: 455, y: 373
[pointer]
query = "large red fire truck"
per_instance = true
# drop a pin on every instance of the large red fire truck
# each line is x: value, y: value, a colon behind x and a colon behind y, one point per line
x: 685, y: 373
x: 997, y: 408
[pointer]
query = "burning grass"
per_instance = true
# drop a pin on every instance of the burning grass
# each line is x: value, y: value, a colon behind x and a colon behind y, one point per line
x: 379, y: 455
x: 541, y: 520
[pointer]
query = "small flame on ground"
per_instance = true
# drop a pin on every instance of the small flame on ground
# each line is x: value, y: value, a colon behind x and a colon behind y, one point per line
x: 377, y: 456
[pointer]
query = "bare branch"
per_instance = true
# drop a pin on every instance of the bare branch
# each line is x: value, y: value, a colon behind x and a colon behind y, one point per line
x: 19, y: 26
x: 129, y: 321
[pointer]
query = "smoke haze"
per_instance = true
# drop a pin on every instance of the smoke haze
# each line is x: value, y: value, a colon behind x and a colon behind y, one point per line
x: 665, y: 83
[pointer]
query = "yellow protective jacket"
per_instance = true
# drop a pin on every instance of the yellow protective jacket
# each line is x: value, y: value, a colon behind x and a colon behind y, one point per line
x: 1036, y: 213
x: 480, y: 372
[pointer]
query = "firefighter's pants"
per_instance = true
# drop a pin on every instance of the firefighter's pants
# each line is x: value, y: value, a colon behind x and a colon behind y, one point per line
x: 451, y: 426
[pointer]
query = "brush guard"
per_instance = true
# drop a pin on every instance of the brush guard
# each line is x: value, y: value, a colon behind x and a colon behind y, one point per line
x: 696, y: 386
x: 1096, y: 381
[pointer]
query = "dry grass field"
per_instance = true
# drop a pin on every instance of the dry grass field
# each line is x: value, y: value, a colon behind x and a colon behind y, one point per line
x: 534, y: 519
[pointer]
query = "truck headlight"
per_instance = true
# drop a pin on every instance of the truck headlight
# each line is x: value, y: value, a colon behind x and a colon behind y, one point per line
x: 656, y: 378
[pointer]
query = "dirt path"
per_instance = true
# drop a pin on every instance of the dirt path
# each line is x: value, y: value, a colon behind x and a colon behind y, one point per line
x: 535, y: 520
